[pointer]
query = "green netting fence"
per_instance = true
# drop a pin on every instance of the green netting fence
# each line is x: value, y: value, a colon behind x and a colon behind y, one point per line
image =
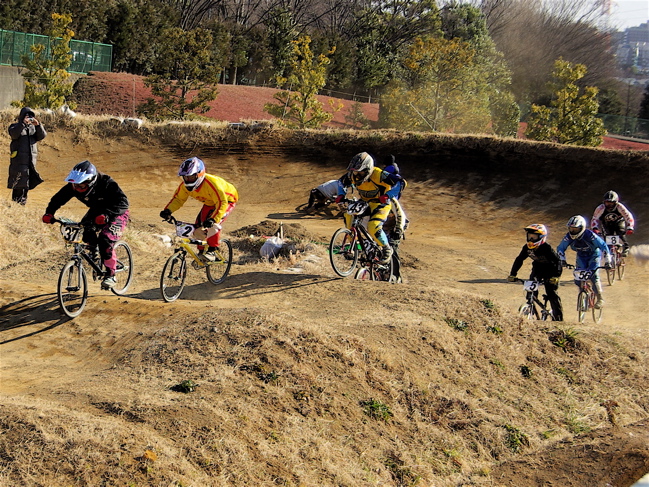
x: 626, y: 126
x: 86, y: 56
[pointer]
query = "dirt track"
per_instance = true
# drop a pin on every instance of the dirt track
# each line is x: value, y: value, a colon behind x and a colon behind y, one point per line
x: 457, y: 241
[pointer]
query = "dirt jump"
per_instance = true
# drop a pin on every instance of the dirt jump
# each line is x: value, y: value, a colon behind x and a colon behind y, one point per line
x: 305, y: 378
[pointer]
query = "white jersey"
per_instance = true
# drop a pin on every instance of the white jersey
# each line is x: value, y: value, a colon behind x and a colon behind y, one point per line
x: 329, y: 189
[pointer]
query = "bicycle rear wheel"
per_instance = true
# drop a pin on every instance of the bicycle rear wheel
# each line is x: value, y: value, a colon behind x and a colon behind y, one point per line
x: 343, y: 252
x: 363, y: 274
x: 218, y: 270
x: 383, y: 272
x: 72, y: 289
x: 582, y: 305
x: 173, y: 277
x: 124, y: 269
x: 621, y: 267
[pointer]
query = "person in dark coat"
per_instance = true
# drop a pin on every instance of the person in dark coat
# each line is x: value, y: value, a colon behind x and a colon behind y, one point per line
x: 25, y: 134
x: 546, y: 265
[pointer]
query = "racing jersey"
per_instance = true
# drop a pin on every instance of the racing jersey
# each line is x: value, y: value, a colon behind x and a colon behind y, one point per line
x: 378, y: 184
x: 588, y: 246
x: 606, y: 217
x: 545, y: 261
x: 329, y: 189
x: 213, y: 191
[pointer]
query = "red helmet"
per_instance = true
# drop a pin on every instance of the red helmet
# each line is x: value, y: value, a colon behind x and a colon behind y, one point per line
x: 536, y: 235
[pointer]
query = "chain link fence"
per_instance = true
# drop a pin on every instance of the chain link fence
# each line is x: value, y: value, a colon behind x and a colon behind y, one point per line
x: 86, y: 56
x: 626, y: 126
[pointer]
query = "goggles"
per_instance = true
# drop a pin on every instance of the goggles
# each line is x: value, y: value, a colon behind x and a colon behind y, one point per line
x: 533, y: 237
x: 610, y: 204
x: 191, y: 178
x: 81, y: 187
x: 574, y: 230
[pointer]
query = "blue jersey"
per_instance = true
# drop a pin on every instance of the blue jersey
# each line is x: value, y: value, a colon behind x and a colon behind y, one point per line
x: 589, y: 248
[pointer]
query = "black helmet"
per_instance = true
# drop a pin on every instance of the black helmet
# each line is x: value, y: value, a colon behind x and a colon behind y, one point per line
x: 83, y: 176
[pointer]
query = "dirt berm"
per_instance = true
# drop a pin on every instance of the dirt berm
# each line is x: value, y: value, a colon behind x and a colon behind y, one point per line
x: 306, y: 379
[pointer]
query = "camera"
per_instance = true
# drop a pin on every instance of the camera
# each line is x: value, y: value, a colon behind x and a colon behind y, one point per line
x: 30, y: 119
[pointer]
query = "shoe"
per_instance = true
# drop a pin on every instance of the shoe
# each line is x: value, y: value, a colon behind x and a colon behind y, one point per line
x: 599, y: 303
x: 386, y: 255
x: 625, y: 252
x: 109, y: 283
x: 208, y: 256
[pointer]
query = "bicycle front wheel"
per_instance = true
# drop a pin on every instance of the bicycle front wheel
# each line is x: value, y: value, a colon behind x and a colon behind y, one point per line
x: 597, y: 315
x: 621, y: 267
x: 384, y: 272
x: 124, y: 269
x: 343, y: 252
x: 582, y: 305
x: 527, y: 311
x: 218, y: 270
x: 72, y: 289
x: 173, y: 277
x: 610, y: 273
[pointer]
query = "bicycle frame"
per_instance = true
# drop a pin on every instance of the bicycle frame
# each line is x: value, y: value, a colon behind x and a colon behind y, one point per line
x: 185, y: 243
x: 529, y: 309
x: 71, y: 234
x: 586, y: 296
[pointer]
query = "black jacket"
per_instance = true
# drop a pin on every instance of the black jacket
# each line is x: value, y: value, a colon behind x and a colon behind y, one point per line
x: 104, y: 198
x: 545, y: 261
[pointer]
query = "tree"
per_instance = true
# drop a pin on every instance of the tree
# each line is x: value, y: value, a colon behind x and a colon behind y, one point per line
x: 187, y: 78
x: 46, y: 77
x: 571, y: 117
x: 301, y: 108
x: 439, y: 90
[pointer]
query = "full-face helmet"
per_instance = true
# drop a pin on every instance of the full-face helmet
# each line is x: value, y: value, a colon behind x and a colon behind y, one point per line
x: 82, y: 177
x: 536, y: 235
x: 611, y: 200
x: 360, y: 167
x: 193, y: 173
x: 576, y: 226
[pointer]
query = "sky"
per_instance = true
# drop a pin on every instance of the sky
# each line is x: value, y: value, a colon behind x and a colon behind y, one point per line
x: 628, y: 13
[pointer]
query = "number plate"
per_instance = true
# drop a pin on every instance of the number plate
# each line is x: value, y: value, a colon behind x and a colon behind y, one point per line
x: 184, y: 229
x: 582, y: 274
x: 531, y: 286
x: 613, y: 240
x: 71, y: 233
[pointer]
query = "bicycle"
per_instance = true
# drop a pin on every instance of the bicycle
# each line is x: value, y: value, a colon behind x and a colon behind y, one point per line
x: 586, y: 297
x: 533, y: 308
x: 618, y: 261
x: 174, y: 272
x: 72, y: 286
x: 354, y: 246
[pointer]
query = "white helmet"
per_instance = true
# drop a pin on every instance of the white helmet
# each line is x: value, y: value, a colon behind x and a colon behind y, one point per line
x: 360, y: 167
x: 576, y: 226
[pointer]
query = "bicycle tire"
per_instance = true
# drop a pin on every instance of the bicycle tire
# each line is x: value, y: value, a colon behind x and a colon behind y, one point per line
x: 72, y: 289
x: 343, y: 252
x: 526, y: 311
x: 621, y: 267
x: 219, y: 270
x: 582, y: 305
x: 124, y: 269
x: 597, y: 315
x: 174, y: 273
x: 363, y: 274
x: 384, y: 272
x: 610, y: 273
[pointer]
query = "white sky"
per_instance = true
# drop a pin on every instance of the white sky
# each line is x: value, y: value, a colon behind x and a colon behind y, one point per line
x: 628, y: 13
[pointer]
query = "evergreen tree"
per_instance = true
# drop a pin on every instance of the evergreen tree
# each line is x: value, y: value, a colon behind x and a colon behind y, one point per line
x: 299, y: 108
x: 571, y: 117
x: 46, y: 84
x: 187, y: 79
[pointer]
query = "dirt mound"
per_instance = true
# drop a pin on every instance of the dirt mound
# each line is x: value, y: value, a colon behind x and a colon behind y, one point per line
x: 305, y: 378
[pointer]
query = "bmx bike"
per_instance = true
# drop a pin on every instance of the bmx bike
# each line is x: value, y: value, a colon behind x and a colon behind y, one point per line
x: 586, y: 297
x: 174, y: 272
x: 534, y: 308
x: 618, y: 261
x: 72, y: 287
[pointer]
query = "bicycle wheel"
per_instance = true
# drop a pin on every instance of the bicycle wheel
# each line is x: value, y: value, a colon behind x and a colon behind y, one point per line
x: 343, y: 252
x: 527, y: 311
x: 173, y: 277
x: 597, y: 315
x: 72, y: 289
x: 363, y: 274
x: 610, y: 273
x: 384, y: 272
x: 582, y: 305
x: 621, y: 267
x: 218, y: 270
x: 124, y: 269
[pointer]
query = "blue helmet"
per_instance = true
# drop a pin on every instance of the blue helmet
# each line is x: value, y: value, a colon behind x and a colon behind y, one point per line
x: 83, y: 176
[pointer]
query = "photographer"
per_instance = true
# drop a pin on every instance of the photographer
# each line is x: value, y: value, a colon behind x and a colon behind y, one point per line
x: 25, y: 133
